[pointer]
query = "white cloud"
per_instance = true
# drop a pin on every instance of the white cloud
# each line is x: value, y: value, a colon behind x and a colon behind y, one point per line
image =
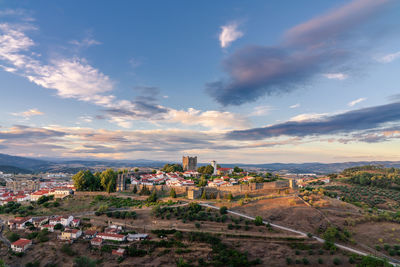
x: 29, y: 113
x: 336, y: 76
x: 308, y: 117
x: 229, y: 33
x: 295, y: 105
x: 86, y: 42
x: 389, y: 57
x: 355, y: 102
x: 260, y: 111
x: 213, y: 119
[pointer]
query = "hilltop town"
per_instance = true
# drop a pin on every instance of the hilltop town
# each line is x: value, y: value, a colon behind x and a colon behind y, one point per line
x: 172, y: 216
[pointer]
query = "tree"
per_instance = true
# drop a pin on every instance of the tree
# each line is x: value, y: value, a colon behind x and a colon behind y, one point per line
x: 108, y: 180
x: 237, y: 169
x: 172, y: 193
x: 86, y: 181
x: 58, y: 226
x: 203, y: 181
x: 13, y: 237
x: 136, y: 169
x: 258, y: 220
x: 208, y: 169
x: 230, y: 196
x: 172, y: 168
x: 134, y: 189
x: 204, y: 195
x: 84, y: 262
x: 153, y: 197
x: 223, y: 210
x: 144, y: 191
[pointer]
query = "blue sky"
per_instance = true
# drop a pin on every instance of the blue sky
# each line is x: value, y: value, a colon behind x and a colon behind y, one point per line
x: 235, y: 81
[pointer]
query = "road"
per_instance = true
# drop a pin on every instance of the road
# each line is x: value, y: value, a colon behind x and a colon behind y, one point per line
x: 2, y: 238
x: 359, y: 252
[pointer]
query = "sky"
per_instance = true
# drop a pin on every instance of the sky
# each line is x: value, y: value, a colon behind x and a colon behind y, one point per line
x: 232, y: 81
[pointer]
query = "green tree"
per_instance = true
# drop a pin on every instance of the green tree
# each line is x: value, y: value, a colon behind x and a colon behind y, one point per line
x: 208, y: 169
x: 153, y: 197
x: 108, y: 180
x: 204, y: 195
x: 13, y: 237
x: 203, y: 181
x: 134, y: 189
x: 223, y: 210
x: 237, y: 169
x: 84, y: 262
x: 136, y: 169
x: 258, y: 221
x: 172, y: 193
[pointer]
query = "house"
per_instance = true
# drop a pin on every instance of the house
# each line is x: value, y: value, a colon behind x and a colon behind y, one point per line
x: 89, y: 234
x: 75, y: 222
x: 19, y: 222
x: 115, y: 237
x: 22, y: 198
x: 49, y: 227
x: 113, y: 229
x: 37, y: 221
x: 137, y: 237
x: 118, y: 252
x: 62, y: 192
x: 64, y: 220
x: 224, y: 171
x: 38, y: 194
x: 246, y: 178
x: 21, y: 245
x: 97, y: 241
x: 70, y: 234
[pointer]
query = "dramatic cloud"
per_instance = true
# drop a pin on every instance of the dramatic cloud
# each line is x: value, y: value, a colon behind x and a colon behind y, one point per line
x: 336, y: 76
x: 28, y: 113
x: 389, y: 57
x: 229, y: 33
x: 351, y: 121
x: 317, y: 46
x: 357, y: 101
x: 213, y: 119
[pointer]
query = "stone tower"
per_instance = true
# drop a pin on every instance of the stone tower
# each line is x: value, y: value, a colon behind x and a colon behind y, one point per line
x: 189, y: 163
x: 214, y: 164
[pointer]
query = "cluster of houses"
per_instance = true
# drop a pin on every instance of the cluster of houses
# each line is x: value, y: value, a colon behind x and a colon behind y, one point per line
x: 26, y: 196
x: 227, y: 181
x: 172, y: 178
x: 71, y: 232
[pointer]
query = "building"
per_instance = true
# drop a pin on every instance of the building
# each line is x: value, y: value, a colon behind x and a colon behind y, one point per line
x: 137, y: 237
x: 214, y: 164
x: 89, y: 234
x: 37, y: 221
x: 224, y: 171
x: 118, y: 252
x: 19, y: 222
x: 22, y: 185
x: 75, y: 222
x: 62, y: 192
x: 97, y: 241
x: 121, y: 182
x: 21, y: 245
x: 70, y: 234
x: 64, y: 220
x: 49, y: 227
x: 114, y: 237
x: 189, y: 163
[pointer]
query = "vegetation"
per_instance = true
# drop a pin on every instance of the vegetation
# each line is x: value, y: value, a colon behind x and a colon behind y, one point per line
x: 87, y: 181
x: 84, y: 262
x: 172, y: 193
x: 172, y: 168
x: 208, y: 169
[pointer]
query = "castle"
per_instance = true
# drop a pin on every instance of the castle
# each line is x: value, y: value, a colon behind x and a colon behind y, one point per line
x: 189, y: 163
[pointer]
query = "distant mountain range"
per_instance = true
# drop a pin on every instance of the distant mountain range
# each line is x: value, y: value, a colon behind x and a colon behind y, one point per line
x: 15, y: 164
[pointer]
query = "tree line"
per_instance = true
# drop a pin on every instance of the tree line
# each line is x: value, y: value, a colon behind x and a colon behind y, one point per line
x: 85, y: 180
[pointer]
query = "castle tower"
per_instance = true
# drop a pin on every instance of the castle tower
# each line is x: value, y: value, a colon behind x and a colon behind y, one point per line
x: 189, y: 163
x: 214, y: 164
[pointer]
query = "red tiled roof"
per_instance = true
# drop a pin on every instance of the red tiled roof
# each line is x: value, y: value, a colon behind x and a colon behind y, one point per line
x: 21, y: 242
x: 110, y: 235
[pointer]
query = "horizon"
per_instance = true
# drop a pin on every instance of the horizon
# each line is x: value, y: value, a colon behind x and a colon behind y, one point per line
x: 232, y: 81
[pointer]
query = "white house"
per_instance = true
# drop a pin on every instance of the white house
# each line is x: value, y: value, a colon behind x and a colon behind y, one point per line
x: 115, y: 237
x: 21, y: 245
x: 64, y: 220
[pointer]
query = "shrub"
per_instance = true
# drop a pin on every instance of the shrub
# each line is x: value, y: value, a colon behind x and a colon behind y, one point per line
x: 258, y: 221
x: 13, y: 237
x: 58, y: 226
x: 66, y: 248
x: 289, y: 261
x: 223, y: 210
x: 305, y: 261
x: 320, y: 261
x: 84, y: 262
x: 337, y: 261
x: 197, y: 225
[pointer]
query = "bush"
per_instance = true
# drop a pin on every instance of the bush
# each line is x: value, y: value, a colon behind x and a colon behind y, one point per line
x: 66, y: 248
x: 337, y: 261
x: 32, y: 264
x: 289, y: 261
x: 305, y: 261
x: 320, y: 261
x: 223, y: 210
x: 13, y: 237
x: 197, y: 225
x: 258, y: 221
x: 58, y: 226
x: 84, y: 262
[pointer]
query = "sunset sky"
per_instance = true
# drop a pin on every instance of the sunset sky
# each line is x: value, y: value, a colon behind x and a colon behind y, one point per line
x: 232, y: 81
